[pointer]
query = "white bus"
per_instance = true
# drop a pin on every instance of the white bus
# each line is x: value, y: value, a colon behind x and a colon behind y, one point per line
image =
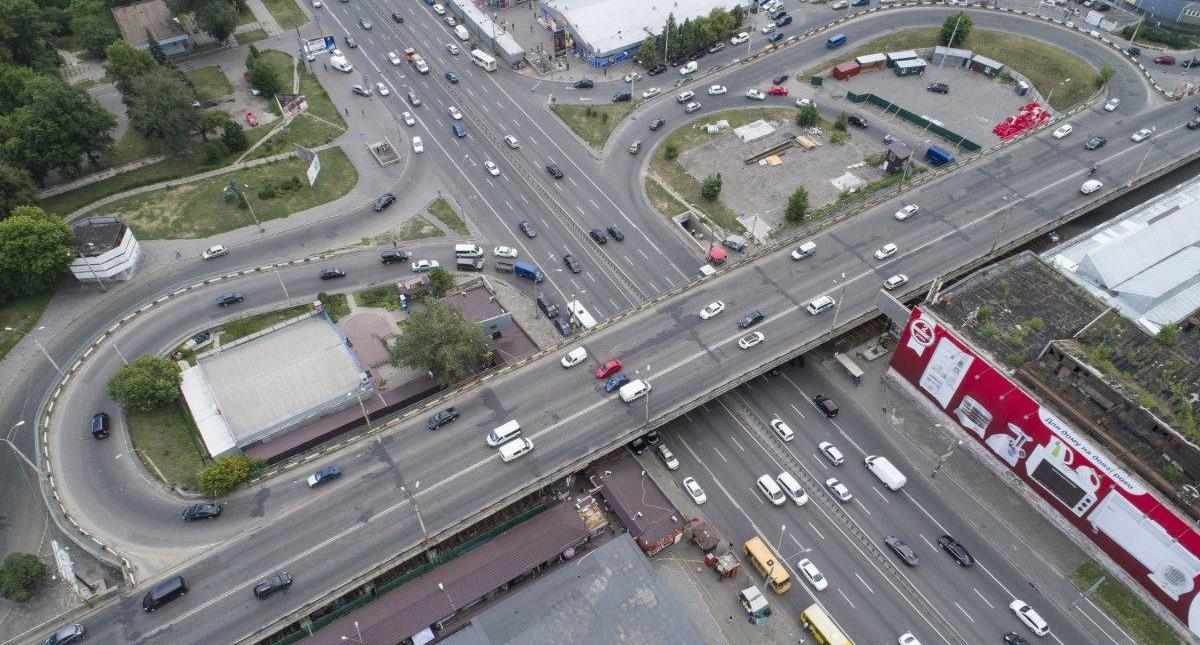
x: 483, y: 60
x: 580, y: 315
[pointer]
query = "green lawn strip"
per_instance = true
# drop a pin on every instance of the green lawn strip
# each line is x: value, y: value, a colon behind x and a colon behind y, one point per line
x: 252, y: 36
x: 287, y: 13
x: 210, y: 82
x: 593, y: 123
x: 415, y: 228
x: 319, y: 103
x: 847, y: 198
x: 384, y: 296
x: 441, y: 209
x: 281, y: 64
x: 169, y: 440
x: 246, y: 16
x: 336, y: 305
x: 206, y: 47
x: 197, y: 209
x: 22, y: 314
x: 242, y: 327
x: 130, y: 147
x: 663, y: 201
x: 1045, y: 65
x: 1123, y: 606
x: 303, y: 130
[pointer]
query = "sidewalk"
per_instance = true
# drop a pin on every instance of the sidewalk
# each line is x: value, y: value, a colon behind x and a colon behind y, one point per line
x: 265, y: 18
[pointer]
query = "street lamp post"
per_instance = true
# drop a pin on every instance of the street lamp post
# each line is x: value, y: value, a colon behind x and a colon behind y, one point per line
x: 40, y: 346
x: 251, y: 207
x: 358, y: 632
x: 943, y: 457
x: 416, y: 508
x: 8, y: 439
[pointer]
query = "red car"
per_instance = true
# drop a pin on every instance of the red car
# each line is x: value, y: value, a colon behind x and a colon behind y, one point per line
x: 1165, y: 60
x: 608, y: 369
x: 777, y: 90
x: 251, y: 119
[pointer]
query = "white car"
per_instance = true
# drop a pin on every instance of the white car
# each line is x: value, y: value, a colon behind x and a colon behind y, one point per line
x: 907, y: 638
x: 408, y: 118
x: 755, y: 95
x: 895, y: 281
x: 812, y: 574
x: 804, y: 103
x: 715, y: 90
x: 739, y: 39
x: 1062, y: 130
x: 491, y: 168
x: 886, y: 251
x: 1031, y: 618
x: 1090, y: 186
x: 573, y: 357
x: 455, y: 114
x: 1112, y: 104
x: 449, y: 20
x: 632, y: 77
x: 693, y: 489
x: 505, y: 252
x: 831, y: 453
x: 1140, y: 135
x: 511, y: 142
x: 668, y: 457
x: 383, y: 89
x: 712, y: 309
x: 394, y: 58
x: 317, y: 4
x: 420, y: 266
x: 418, y: 146
x: 439, y: 9
x: 651, y: 92
x: 214, y: 252
x: 838, y: 489
x: 689, y: 68
x: 453, y: 49
x: 907, y: 212
x: 694, y: 106
x: 685, y: 96
x: 768, y: 28
x: 751, y: 339
x: 335, y: 52
x: 782, y: 430
x: 840, y: 4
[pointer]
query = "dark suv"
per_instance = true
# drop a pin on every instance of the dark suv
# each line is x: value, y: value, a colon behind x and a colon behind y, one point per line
x: 638, y: 446
x: 751, y: 319
x: 100, y: 425
x: 656, y: 124
x: 621, y: 97
x: 277, y: 582
x: 163, y: 593
x: 616, y: 233
x: 383, y: 202
x: 231, y: 298
x: 598, y: 235
x: 901, y: 549
x: 656, y: 70
x: 858, y: 121
x: 938, y: 88
x: 825, y: 405
x: 572, y: 264
x: 442, y: 418
x: 393, y: 256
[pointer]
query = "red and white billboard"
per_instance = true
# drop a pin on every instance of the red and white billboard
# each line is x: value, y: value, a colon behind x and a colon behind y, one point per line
x: 1133, y: 526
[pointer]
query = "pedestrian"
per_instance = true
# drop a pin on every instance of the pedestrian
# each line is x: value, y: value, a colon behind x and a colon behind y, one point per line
x: 178, y: 255
x: 326, y: 66
x: 347, y: 110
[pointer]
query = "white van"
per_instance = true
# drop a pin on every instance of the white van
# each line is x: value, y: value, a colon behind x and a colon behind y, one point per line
x: 468, y: 251
x: 634, y: 390
x: 771, y: 490
x: 804, y: 250
x: 792, y: 488
x: 462, y: 33
x: 504, y: 433
x: 820, y: 304
x: 515, y: 448
x: 886, y: 472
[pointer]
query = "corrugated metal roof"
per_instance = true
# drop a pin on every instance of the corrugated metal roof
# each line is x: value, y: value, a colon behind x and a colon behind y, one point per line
x: 1121, y: 259
x: 215, y: 432
x: 635, y: 498
x: 1164, y: 276
x: 1175, y: 307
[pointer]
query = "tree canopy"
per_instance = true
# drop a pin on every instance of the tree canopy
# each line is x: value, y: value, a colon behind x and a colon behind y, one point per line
x: 216, y: 17
x: 438, y: 339
x: 55, y: 126
x: 797, y: 205
x: 20, y: 575
x: 955, y: 29
x: 147, y: 383
x: 25, y: 36
x: 162, y: 109
x: 35, y: 248
x: 16, y: 189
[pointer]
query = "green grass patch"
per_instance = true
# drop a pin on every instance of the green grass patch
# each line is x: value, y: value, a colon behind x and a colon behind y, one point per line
x: 198, y: 209
x: 416, y: 228
x: 210, y: 82
x: 1123, y: 606
x: 206, y: 47
x: 242, y: 327
x: 593, y: 123
x: 22, y: 314
x: 287, y: 13
x: 303, y: 130
x: 252, y: 36
x: 319, y: 103
x: 281, y: 64
x: 441, y: 209
x: 170, y: 441
x: 337, y: 305
x: 385, y: 296
x: 663, y: 201
x: 246, y: 16
x: 1045, y: 65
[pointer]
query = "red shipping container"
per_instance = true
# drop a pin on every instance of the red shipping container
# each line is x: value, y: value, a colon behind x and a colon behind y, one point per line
x: 846, y: 70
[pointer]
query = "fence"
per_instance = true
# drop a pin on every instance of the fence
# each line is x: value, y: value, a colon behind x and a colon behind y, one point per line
x: 957, y: 139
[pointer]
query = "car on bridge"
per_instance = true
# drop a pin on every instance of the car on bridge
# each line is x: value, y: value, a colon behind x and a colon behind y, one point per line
x: 204, y: 511
x: 441, y: 418
x: 608, y: 369
x: 751, y: 339
x: 1090, y: 186
x: 277, y: 582
x: 1094, y: 143
x: 908, y: 211
x: 886, y: 251
x: 693, y: 488
x: 667, y: 457
x: 1141, y: 135
x: 956, y: 551
x: 895, y: 281
x: 751, y: 319
x: 231, y: 298
x: 615, y: 382
x: 324, y: 475
x: 838, y: 489
x: 712, y: 309
x: 902, y: 550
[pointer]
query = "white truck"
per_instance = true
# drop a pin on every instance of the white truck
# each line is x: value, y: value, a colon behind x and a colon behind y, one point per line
x: 340, y: 63
x: 886, y: 472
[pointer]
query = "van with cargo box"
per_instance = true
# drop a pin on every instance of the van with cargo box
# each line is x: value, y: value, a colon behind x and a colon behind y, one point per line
x: 885, y: 472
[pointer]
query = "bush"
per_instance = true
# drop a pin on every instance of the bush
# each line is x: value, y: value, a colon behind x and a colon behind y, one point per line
x: 225, y: 473
x: 797, y: 205
x: 1167, y: 336
x: 807, y: 116
x: 671, y: 152
x: 843, y: 120
x: 267, y: 192
x: 838, y: 137
x: 147, y: 383
x: 1104, y: 75
x: 955, y: 29
x: 440, y: 282
x: 20, y: 575
x: 1152, y: 34
x: 710, y: 188
x: 215, y: 152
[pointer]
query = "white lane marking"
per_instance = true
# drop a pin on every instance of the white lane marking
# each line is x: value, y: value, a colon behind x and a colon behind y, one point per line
x: 815, y: 530
x: 719, y: 454
x: 864, y: 582
x: 964, y: 611
x: 981, y: 597
x: 848, y: 602
x: 735, y: 442
x: 797, y: 410
x: 885, y: 500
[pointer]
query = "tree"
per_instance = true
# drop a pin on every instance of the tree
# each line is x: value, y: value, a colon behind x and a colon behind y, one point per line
x: 807, y: 116
x: 264, y: 79
x: 225, y: 473
x: 843, y: 120
x: 13, y: 80
x: 125, y: 64
x: 437, y: 338
x: 212, y: 121
x: 217, y: 17
x: 738, y: 14
x: 162, y: 109
x: 650, y: 54
x: 20, y: 575
x: 25, y: 36
x: 155, y: 49
x: 149, y: 382
x: 955, y: 29
x: 440, y: 282
x: 16, y: 189
x: 1104, y: 75
x: 234, y: 137
x: 94, y: 30
x: 671, y: 152
x: 55, y: 126
x: 35, y: 248
x: 710, y: 188
x: 797, y: 205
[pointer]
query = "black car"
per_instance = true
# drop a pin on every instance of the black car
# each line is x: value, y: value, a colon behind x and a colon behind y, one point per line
x: 100, y: 425
x: 1194, y: 123
x: 332, y: 273
x: 696, y: 55
x: 658, y: 123
x: 598, y: 235
x: 1095, y: 142
x: 776, y: 16
x: 656, y: 70
x: 383, y: 201
x: 451, y: 76
x: 231, y: 298
x: 858, y: 121
x: 616, y: 233
x: 527, y: 228
x: 584, y: 84
x: 1133, y: 51
x: 956, y: 551
x: 397, y: 17
x: 201, y: 337
x: 277, y: 582
x: 783, y: 21
x: 324, y: 475
x: 564, y: 326
x: 615, y: 381
x: 638, y: 446
x: 718, y: 46
x: 69, y: 634
x: 938, y: 88
x: 441, y: 418
x: 776, y: 37
x: 414, y: 100
x: 779, y: 80
x: 554, y: 171
x: 1101, y: 7
x: 751, y: 319
x: 901, y: 549
x: 676, y: 62
x: 1013, y: 638
x: 621, y: 97
x: 652, y: 437
x: 572, y: 263
x: 201, y: 512
x: 826, y: 405
x: 393, y: 256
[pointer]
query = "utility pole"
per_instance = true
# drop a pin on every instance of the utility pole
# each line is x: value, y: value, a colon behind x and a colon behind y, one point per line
x: 943, y: 457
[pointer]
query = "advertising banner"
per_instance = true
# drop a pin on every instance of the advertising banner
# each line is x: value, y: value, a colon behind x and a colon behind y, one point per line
x: 1156, y: 547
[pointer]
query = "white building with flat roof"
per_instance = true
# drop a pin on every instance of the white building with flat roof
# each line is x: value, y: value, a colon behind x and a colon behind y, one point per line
x: 105, y: 250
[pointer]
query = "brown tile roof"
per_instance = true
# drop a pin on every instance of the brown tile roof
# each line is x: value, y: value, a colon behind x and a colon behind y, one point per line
x: 135, y: 19
x: 640, y: 504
